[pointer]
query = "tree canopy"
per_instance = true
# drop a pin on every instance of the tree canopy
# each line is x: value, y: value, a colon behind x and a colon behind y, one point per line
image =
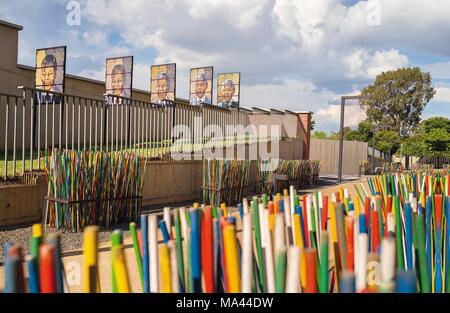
x: 397, y: 99
x: 430, y: 139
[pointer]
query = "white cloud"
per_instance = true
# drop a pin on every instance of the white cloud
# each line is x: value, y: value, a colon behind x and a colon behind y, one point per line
x: 308, y: 22
x: 362, y: 64
x: 353, y: 115
x: 95, y: 38
x: 438, y: 70
x: 93, y: 74
x: 289, y: 95
x: 442, y: 94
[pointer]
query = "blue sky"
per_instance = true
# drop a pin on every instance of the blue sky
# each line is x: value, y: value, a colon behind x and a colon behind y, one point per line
x: 293, y: 54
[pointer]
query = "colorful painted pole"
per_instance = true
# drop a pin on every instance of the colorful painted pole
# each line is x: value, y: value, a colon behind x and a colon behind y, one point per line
x: 47, y: 268
x: 33, y: 274
x: 145, y: 254
x: 196, y: 272
x: 137, y: 252
x: 231, y: 256
x: 90, y: 261
x: 207, y: 250
x: 120, y: 269
x: 153, y: 252
x: 247, y: 254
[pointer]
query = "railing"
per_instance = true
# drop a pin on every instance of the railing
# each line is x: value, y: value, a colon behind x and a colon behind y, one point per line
x: 36, y: 122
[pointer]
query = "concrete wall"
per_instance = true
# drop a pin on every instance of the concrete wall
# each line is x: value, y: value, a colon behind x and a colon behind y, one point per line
x: 22, y: 203
x: 304, y: 132
x: 327, y: 151
x: 288, y: 123
x: 172, y: 182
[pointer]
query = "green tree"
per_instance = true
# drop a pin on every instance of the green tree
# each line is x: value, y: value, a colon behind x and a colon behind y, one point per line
x: 362, y: 133
x: 397, y: 98
x: 387, y: 141
x: 319, y: 135
x: 430, y: 139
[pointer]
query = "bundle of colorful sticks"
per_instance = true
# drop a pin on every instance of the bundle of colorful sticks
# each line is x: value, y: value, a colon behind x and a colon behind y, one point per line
x: 225, y: 180
x: 313, y: 243
x: 93, y: 188
x: 300, y: 173
x: 44, y: 265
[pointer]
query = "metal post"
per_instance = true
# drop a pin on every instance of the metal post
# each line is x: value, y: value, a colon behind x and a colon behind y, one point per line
x: 341, y: 140
x: 373, y: 150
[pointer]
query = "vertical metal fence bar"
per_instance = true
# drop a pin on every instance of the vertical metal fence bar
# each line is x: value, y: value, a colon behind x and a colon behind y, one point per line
x: 152, y: 143
x: 111, y: 124
x: 73, y: 123
x: 127, y: 126
x: 31, y: 133
x: 134, y: 127
x: 187, y: 141
x: 6, y: 135
x: 165, y: 116
x: 101, y: 124
x: 107, y: 124
x: 122, y: 130
x: 96, y: 127
x: 15, y: 136
x: 53, y: 124
x: 39, y: 129
x: 46, y: 125
x: 139, y: 127
x: 85, y: 124
x: 112, y: 105
x: 157, y: 132
x: 60, y: 124
x: 23, y: 131
x: 79, y: 125
x: 142, y: 128
x: 117, y: 125
x: 66, y: 113
x: 147, y: 128
x: 90, y: 125
x: 164, y: 131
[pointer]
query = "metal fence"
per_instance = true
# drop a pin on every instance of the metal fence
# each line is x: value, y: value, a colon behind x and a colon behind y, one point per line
x: 37, y: 121
x: 377, y: 153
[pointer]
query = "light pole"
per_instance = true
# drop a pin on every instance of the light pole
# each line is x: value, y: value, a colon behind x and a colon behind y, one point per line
x: 341, y: 132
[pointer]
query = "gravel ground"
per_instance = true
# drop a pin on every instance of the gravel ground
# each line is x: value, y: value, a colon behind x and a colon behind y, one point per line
x: 21, y: 234
x: 69, y: 241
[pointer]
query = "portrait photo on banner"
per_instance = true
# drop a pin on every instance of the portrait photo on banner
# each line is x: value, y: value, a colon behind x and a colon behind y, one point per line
x: 49, y: 77
x: 119, y: 78
x: 201, y: 86
x: 162, y: 83
x: 228, y: 90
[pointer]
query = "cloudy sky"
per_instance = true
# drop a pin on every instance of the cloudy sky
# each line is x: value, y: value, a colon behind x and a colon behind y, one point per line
x: 293, y: 54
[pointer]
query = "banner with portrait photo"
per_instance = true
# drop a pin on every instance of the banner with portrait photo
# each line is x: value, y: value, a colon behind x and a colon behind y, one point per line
x: 50, y: 72
x: 201, y: 86
x: 119, y: 78
x: 163, y: 83
x: 228, y: 90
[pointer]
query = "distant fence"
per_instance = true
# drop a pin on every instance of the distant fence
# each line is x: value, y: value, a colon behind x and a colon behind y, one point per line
x: 31, y: 125
x: 433, y: 162
x: 327, y: 152
x: 377, y: 153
